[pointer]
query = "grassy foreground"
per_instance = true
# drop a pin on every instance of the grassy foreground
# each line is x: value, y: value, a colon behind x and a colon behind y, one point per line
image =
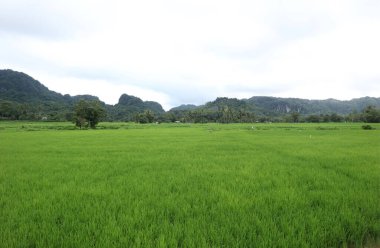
x: 236, y: 185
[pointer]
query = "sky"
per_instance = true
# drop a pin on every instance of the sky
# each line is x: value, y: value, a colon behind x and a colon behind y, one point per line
x: 192, y: 51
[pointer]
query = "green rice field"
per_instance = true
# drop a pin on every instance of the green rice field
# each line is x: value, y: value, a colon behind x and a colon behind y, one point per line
x: 189, y: 185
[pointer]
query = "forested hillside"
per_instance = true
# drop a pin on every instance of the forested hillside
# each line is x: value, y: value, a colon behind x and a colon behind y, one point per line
x: 128, y: 108
x: 24, y: 98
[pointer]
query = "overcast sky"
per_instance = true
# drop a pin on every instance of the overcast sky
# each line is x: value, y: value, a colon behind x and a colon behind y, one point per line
x: 180, y: 52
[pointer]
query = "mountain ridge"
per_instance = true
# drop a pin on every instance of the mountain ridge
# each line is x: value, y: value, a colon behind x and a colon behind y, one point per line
x: 21, y: 90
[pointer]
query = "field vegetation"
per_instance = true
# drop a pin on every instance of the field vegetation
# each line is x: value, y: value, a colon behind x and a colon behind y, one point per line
x: 189, y: 185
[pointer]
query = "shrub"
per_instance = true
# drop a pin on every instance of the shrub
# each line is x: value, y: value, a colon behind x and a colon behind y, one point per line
x: 367, y: 127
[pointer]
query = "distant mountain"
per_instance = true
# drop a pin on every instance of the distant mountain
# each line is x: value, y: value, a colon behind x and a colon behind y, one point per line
x: 83, y: 97
x: 274, y: 106
x: 128, y: 106
x: 21, y: 88
x: 184, y: 107
x: 22, y: 97
x: 223, y: 103
x: 154, y: 106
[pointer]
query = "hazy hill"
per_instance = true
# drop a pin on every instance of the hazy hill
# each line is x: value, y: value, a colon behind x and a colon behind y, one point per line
x: 274, y: 106
x: 184, y: 107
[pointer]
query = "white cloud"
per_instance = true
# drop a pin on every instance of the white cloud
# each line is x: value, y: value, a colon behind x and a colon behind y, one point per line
x: 192, y: 51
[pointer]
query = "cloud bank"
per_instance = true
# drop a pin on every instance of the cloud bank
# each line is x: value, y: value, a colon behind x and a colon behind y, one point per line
x: 178, y: 52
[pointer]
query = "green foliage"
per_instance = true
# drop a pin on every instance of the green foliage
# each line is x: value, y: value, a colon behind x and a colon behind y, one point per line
x: 8, y: 110
x: 334, y: 117
x: 313, y: 118
x: 325, y: 118
x: 295, y: 117
x: 186, y: 185
x: 367, y: 127
x: 371, y: 114
x: 146, y: 117
x: 24, y: 98
x: 88, y: 113
x: 271, y: 109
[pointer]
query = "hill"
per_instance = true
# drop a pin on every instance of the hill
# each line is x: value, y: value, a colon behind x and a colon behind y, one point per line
x: 184, y: 107
x: 274, y: 106
x: 128, y: 106
x: 20, y: 87
x: 22, y: 97
x: 264, y: 108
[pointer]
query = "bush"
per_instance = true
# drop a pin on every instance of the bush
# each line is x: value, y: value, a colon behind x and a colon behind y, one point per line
x: 367, y: 127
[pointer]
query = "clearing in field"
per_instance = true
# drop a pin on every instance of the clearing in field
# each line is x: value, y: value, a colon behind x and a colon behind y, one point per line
x: 235, y: 185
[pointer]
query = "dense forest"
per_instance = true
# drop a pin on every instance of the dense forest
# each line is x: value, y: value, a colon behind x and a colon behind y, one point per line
x: 24, y: 98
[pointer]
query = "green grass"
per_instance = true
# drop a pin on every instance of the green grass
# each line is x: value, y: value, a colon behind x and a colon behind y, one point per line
x: 235, y: 185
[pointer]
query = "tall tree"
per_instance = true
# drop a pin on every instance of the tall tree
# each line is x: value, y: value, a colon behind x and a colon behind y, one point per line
x: 146, y: 117
x: 295, y: 116
x: 88, y: 113
x: 371, y: 114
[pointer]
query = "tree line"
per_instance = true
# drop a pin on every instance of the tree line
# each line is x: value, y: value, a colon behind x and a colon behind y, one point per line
x: 87, y: 114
